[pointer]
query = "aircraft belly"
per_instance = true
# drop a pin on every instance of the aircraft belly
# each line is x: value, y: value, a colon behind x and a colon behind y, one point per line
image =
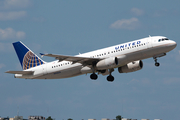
x: 154, y: 51
x: 71, y: 72
x: 148, y: 53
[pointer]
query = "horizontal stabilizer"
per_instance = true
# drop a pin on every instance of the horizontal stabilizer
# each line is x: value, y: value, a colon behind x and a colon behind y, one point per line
x: 21, y: 72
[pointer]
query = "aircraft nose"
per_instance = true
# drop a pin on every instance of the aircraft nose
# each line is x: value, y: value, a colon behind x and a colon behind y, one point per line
x: 173, y: 44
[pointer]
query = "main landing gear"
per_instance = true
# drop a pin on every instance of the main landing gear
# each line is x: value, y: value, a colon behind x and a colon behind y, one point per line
x: 110, y: 78
x: 93, y: 76
x: 156, y: 63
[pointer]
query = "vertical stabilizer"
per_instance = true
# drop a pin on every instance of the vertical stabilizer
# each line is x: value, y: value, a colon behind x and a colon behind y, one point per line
x: 26, y: 57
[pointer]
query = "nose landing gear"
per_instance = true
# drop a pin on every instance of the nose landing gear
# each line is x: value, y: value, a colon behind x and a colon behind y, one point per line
x: 156, y: 63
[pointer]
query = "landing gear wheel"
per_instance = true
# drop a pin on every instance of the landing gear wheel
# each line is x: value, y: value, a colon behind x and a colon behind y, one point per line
x: 93, y: 76
x: 157, y: 64
x: 110, y: 78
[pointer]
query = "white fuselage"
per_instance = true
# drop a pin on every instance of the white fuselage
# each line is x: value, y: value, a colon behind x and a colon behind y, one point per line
x: 131, y: 51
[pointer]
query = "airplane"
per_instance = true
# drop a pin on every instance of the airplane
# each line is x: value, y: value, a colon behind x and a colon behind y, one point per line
x: 127, y: 57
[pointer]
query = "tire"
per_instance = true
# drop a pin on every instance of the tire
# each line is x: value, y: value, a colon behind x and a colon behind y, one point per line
x: 93, y: 76
x: 157, y: 64
x: 110, y: 78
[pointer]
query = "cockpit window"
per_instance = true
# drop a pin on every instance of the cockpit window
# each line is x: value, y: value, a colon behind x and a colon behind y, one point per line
x: 163, y: 39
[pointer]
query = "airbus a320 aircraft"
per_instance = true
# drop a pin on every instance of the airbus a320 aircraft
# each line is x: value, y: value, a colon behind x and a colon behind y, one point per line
x: 126, y: 57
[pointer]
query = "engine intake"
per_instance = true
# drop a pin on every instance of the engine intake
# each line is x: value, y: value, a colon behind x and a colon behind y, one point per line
x: 131, y: 67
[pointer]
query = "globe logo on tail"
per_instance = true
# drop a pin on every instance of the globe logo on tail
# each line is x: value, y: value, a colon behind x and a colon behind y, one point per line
x: 31, y: 60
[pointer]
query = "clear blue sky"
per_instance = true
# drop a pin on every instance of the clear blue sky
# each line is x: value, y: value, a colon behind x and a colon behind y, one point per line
x: 73, y: 27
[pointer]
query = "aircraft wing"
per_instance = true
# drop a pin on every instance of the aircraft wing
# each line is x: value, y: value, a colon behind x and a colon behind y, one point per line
x: 21, y: 72
x: 74, y: 59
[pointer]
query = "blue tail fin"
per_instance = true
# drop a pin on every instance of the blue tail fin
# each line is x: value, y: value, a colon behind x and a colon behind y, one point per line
x: 26, y: 57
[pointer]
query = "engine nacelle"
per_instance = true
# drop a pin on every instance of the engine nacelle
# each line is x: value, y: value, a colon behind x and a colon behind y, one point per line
x: 107, y: 63
x: 131, y: 67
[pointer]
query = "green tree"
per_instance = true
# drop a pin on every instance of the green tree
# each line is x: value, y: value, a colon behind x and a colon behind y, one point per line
x: 70, y: 119
x: 49, y: 118
x: 118, y: 117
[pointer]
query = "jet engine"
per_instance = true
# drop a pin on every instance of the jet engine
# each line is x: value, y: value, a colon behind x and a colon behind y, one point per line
x: 131, y: 67
x: 107, y: 63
